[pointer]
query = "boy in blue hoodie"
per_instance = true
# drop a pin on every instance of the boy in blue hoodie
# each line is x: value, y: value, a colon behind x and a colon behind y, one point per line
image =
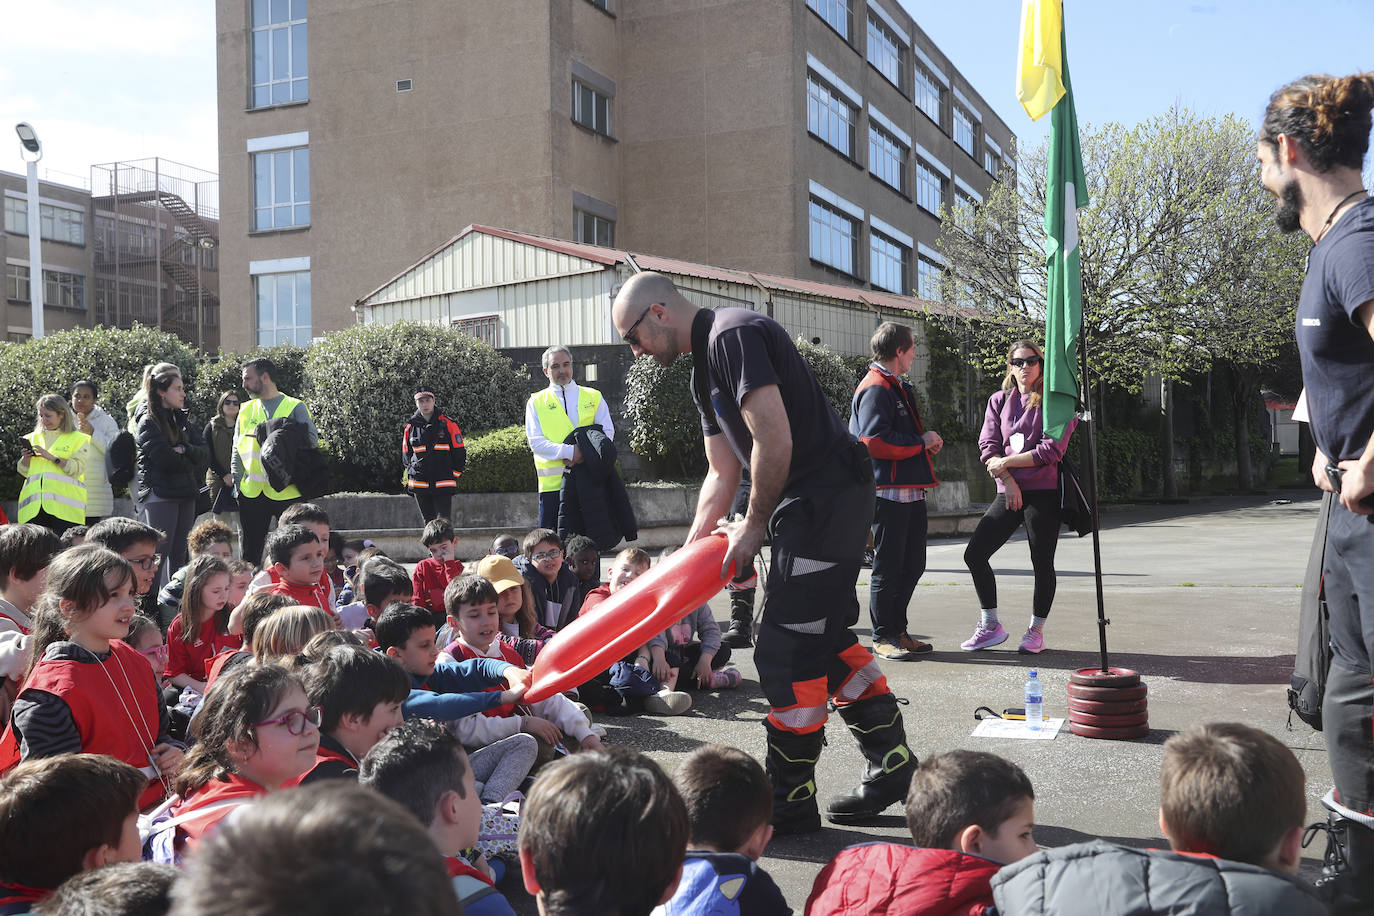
x: 444, y: 691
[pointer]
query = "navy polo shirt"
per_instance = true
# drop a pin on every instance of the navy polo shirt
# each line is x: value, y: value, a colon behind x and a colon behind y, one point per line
x: 745, y: 351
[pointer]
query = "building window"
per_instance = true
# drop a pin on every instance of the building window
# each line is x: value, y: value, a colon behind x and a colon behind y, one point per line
x: 17, y: 282
x: 591, y: 229
x: 283, y: 308
x: 829, y: 116
x: 56, y: 224
x: 63, y: 290
x: 930, y: 187
x: 885, y: 51
x: 963, y: 129
x: 601, y: 4
x: 280, y: 52
x: 929, y: 93
x: 838, y: 14
x: 889, y: 264
x: 590, y: 108
x: 484, y: 328
x: 887, y: 158
x: 991, y: 162
x: 281, y: 188
x: 834, y: 238
x: 927, y: 279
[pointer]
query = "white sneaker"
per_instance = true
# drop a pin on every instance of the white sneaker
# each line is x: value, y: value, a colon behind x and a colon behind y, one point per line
x: 668, y: 703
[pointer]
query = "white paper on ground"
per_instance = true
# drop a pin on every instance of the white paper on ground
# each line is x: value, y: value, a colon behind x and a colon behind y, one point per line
x: 1017, y: 728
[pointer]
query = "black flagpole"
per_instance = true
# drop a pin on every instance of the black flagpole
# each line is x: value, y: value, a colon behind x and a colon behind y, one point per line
x: 1090, y: 467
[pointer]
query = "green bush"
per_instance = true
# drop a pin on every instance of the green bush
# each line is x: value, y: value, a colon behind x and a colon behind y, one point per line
x: 499, y: 461
x: 662, y: 418
x: 361, y: 386
x: 665, y: 426
x: 111, y: 357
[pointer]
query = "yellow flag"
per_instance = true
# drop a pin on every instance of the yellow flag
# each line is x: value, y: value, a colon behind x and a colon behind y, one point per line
x: 1040, y: 61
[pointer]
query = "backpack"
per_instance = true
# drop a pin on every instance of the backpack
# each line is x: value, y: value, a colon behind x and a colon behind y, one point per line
x: 120, y: 459
x: 1307, y: 685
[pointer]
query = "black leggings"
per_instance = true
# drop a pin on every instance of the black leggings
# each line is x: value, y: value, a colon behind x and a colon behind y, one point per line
x: 1040, y: 512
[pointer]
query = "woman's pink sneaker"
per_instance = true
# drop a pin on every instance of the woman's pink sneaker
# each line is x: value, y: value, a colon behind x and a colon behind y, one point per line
x: 1032, y: 642
x: 725, y: 679
x: 983, y: 638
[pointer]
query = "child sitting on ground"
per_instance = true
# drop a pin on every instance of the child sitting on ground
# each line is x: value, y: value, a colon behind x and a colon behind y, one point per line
x: 207, y: 538
x: 74, y: 536
x: 257, y: 734
x: 503, y: 545
x: 296, y: 556
x: 87, y: 690
x: 585, y: 562
x: 118, y: 889
x: 1232, y: 803
x: 381, y: 582
x: 433, y: 574
x: 322, y: 850
x: 515, y: 606
x: 969, y: 813
x: 422, y: 766
x: 359, y: 693
x: 62, y: 816
x: 333, y: 559
x: 729, y: 808
x: 244, y: 621
x: 557, y: 599
x: 584, y: 846
x: 450, y: 691
x: 201, y: 630
x: 281, y: 637
x: 472, y: 615
x: 317, y: 520
x: 25, y: 552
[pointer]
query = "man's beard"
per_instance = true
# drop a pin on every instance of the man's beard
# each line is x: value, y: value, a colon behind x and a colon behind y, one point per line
x: 1288, y: 211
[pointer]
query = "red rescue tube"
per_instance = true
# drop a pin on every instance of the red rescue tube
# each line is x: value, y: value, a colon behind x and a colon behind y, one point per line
x: 631, y: 617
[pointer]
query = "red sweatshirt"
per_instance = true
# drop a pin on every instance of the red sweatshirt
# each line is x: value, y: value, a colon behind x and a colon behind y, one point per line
x: 430, y: 579
x: 190, y: 658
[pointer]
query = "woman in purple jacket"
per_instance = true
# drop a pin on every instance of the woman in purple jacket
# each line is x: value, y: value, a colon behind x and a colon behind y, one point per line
x: 1025, y: 463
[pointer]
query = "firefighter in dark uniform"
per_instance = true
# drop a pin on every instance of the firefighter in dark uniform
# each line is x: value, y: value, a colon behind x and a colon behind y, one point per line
x: 812, y: 494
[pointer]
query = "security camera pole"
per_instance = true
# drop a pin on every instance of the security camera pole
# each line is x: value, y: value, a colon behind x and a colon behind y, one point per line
x: 33, y: 151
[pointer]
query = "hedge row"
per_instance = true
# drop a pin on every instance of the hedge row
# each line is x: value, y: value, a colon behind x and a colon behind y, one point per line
x: 358, y: 382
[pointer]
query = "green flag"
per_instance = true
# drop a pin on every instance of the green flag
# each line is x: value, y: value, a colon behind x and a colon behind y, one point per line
x: 1066, y: 190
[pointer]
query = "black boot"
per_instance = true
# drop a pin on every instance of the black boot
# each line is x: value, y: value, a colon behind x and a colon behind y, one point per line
x: 791, y: 766
x: 740, y: 634
x: 1347, y: 881
x: 876, y: 723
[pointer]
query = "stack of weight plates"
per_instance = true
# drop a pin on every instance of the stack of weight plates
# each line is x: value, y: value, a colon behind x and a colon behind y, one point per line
x: 1107, y: 703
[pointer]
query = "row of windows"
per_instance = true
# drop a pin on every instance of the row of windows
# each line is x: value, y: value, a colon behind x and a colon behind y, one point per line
x: 835, y: 241
x: 57, y: 224
x: 60, y: 289
x: 833, y: 119
x: 889, y: 54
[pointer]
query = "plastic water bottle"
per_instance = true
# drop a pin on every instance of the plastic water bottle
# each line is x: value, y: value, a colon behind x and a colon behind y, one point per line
x: 1035, y: 708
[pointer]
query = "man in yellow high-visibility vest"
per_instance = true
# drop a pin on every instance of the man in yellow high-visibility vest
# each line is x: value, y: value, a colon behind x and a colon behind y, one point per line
x: 549, y: 416
x: 258, y: 502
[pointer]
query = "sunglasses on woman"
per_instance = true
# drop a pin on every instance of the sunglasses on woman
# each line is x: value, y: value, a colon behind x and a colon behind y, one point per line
x: 1020, y: 362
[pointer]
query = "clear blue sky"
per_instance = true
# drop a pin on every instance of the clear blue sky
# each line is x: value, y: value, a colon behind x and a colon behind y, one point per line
x: 1133, y: 59
x: 105, y: 81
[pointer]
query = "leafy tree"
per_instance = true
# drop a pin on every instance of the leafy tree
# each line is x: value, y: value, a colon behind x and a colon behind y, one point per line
x: 1180, y: 267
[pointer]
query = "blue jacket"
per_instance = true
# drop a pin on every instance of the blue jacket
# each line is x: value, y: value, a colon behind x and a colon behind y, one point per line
x: 885, y: 419
x: 455, y: 690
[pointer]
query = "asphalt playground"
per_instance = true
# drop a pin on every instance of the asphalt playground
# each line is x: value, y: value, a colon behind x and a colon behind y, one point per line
x: 1203, y: 601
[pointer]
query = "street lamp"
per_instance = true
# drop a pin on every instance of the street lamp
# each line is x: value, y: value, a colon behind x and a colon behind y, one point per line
x: 32, y: 151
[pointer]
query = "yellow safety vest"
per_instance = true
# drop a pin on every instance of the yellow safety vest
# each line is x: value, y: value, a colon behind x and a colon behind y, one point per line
x: 250, y: 450
x: 555, y: 425
x: 50, y: 488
